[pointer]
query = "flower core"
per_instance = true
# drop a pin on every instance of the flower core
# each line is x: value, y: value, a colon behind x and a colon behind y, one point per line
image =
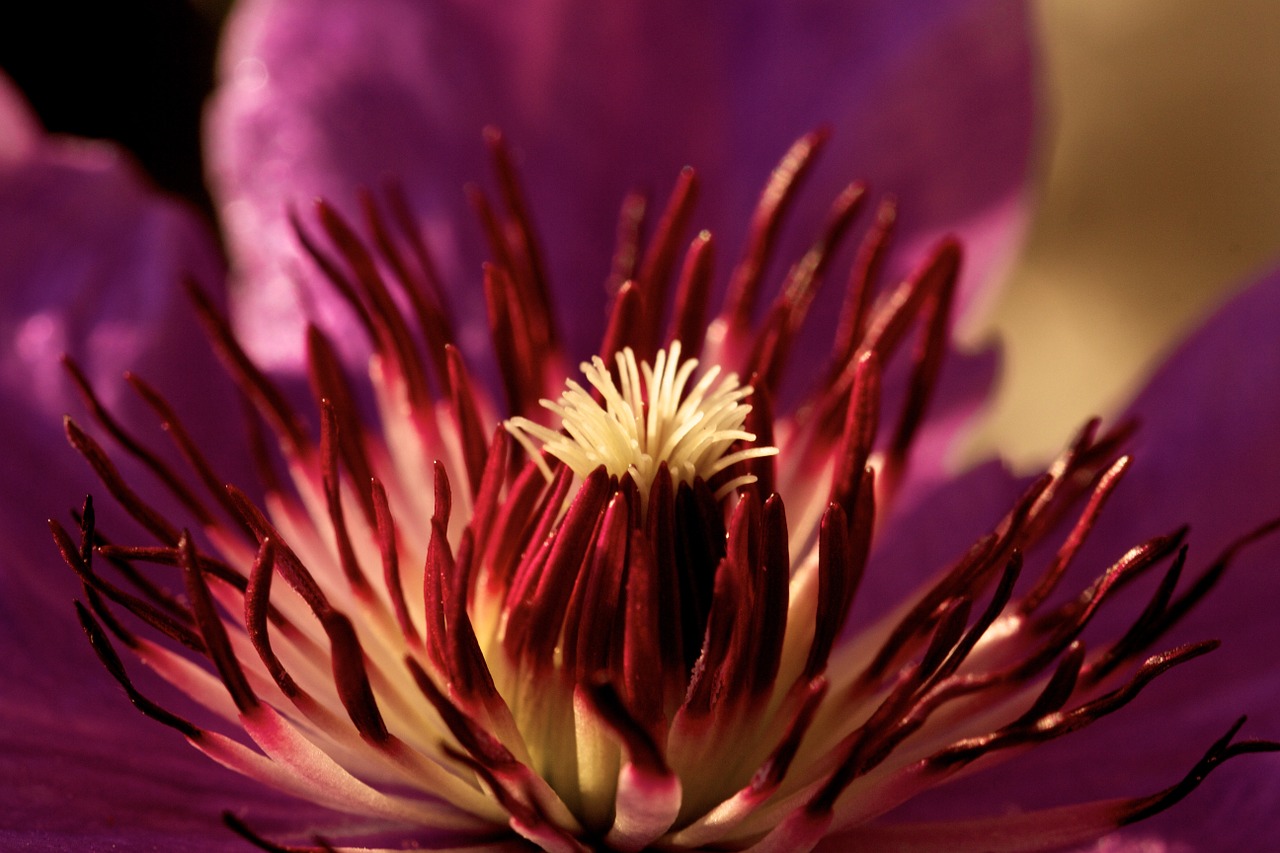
x: 645, y: 423
x: 636, y: 637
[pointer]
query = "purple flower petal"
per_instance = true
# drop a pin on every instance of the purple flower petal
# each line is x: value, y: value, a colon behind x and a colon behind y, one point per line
x: 19, y: 129
x: 930, y: 101
x: 1206, y: 454
x: 92, y: 262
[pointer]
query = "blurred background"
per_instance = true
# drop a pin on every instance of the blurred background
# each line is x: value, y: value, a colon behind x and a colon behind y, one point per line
x: 1158, y: 177
x: 1158, y: 195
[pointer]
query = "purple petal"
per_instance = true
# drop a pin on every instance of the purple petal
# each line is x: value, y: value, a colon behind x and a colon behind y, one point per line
x: 931, y: 101
x: 92, y: 262
x: 1207, y: 454
x: 19, y: 129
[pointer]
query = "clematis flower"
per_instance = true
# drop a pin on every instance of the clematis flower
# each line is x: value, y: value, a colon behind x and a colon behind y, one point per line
x: 723, y: 594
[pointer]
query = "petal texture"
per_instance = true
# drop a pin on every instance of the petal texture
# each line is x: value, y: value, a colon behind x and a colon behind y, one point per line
x: 931, y: 101
x: 1206, y: 454
x: 91, y: 263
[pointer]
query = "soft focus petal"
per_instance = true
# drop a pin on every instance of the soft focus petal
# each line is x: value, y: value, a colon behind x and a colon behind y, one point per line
x: 19, y: 129
x: 91, y: 260
x: 930, y: 101
x: 1207, y: 455
x: 91, y: 265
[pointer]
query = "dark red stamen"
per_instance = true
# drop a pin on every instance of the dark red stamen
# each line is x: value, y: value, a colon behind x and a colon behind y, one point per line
x: 436, y: 581
x: 773, y: 341
x: 627, y: 236
x: 491, y: 481
x: 537, y: 601
x: 179, y: 627
x: 331, y: 478
x: 859, y: 434
x: 934, y: 342
x: 902, y: 306
x: 334, y: 276
x: 351, y: 678
x: 429, y: 276
x: 122, y: 555
x: 771, y: 773
x: 772, y: 597
x: 333, y: 392
x: 471, y: 678
x: 257, y: 603
x: 1220, y: 752
x: 387, y: 546
x: 775, y: 201
x: 1076, y: 538
x: 135, y: 449
x: 641, y: 748
x: 111, y: 661
x: 999, y: 599
x: 1064, y: 722
x: 291, y: 567
x: 529, y: 269
x: 597, y: 592
x: 863, y: 277
x: 721, y: 674
x: 1060, y: 687
x: 689, y: 312
x: 700, y: 546
x: 187, y: 446
x: 647, y: 680
x: 516, y: 353
x: 214, y: 633
x: 659, y: 260
x: 525, y: 518
x: 625, y: 326
x: 91, y: 542
x: 432, y: 322
x: 394, y: 337
x: 661, y: 588
x: 266, y: 397
x: 466, y: 414
x: 107, y: 472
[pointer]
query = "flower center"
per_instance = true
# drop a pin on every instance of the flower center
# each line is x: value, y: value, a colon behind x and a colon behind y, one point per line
x: 644, y: 417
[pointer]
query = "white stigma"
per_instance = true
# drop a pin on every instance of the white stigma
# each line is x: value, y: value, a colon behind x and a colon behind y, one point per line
x: 647, y: 421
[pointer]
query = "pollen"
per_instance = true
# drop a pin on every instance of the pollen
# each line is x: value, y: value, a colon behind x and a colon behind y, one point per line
x: 646, y: 417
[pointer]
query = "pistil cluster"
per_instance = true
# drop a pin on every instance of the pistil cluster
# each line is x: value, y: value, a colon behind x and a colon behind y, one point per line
x: 650, y: 424
x: 619, y: 621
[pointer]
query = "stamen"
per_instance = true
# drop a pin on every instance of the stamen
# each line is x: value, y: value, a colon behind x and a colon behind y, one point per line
x: 648, y: 422
x: 599, y: 650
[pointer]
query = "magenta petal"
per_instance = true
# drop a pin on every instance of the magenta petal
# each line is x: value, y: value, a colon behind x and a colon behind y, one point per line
x: 94, y: 781
x: 19, y: 129
x: 1207, y: 454
x: 319, y: 98
x: 93, y: 261
x: 931, y: 101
